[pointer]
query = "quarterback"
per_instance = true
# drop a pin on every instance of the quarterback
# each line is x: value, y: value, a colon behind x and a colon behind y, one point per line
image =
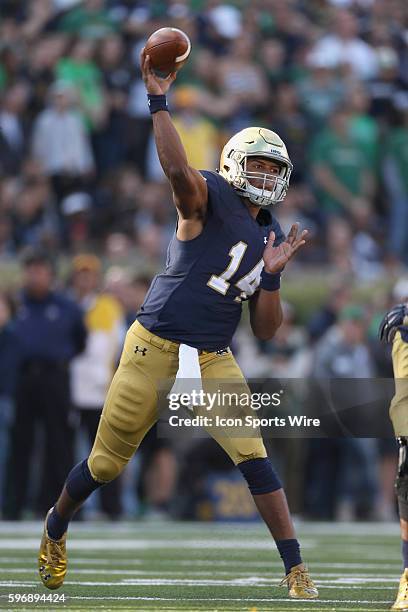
x: 227, y: 248
x: 394, y: 328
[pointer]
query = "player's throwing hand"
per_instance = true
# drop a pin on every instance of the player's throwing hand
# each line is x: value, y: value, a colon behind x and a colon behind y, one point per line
x: 276, y: 257
x: 154, y: 85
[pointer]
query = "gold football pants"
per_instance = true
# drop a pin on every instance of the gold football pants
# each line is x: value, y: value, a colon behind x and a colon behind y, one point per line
x: 399, y: 403
x: 131, y: 405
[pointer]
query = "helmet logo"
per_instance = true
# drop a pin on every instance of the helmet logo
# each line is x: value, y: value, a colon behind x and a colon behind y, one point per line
x: 271, y: 138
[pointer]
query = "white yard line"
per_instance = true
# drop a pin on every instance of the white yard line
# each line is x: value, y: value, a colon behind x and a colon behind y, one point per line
x: 136, y: 544
x: 251, y: 581
x: 324, y: 578
x: 265, y: 565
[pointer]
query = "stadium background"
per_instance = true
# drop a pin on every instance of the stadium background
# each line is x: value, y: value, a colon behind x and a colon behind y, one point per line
x: 81, y: 191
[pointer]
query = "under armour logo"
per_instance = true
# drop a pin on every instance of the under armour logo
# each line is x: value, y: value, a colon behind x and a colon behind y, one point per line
x: 265, y: 240
x: 223, y: 351
x: 140, y: 350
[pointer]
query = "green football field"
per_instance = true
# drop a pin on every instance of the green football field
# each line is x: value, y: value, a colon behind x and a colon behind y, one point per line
x: 186, y: 566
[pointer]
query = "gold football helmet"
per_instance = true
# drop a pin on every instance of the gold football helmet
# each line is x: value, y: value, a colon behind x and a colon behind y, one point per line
x: 256, y: 142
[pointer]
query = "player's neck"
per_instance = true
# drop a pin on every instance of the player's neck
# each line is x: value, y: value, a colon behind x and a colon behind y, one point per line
x: 253, y: 209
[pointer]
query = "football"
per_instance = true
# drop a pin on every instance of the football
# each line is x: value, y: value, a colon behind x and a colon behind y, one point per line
x: 168, y: 49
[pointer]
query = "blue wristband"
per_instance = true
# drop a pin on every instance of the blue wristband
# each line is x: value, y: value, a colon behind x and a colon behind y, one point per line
x: 270, y: 282
x: 157, y: 103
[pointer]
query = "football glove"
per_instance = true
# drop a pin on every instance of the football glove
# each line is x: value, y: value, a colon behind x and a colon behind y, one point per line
x: 392, y: 322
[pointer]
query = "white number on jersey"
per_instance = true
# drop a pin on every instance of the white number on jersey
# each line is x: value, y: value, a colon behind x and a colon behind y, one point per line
x: 248, y: 283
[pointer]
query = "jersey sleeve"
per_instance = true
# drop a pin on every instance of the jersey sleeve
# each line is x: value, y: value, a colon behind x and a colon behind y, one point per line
x: 220, y: 194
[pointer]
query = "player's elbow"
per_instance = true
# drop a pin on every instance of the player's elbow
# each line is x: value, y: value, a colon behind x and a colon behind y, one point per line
x: 266, y: 330
x: 264, y: 334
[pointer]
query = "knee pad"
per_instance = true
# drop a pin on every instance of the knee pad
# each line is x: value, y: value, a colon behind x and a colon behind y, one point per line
x: 104, y: 468
x: 401, y: 482
x: 260, y: 476
x: 111, y: 451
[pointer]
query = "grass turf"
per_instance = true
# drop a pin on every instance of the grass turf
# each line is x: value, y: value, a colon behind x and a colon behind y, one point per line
x: 211, y: 567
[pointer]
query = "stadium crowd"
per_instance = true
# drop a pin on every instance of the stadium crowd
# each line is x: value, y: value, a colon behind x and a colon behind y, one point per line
x: 85, y: 210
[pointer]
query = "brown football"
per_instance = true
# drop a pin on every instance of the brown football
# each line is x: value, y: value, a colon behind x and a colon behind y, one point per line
x: 168, y: 49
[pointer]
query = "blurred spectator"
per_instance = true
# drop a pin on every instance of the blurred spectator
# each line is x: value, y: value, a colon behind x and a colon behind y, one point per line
x: 35, y: 222
x: 194, y: 128
x: 158, y: 475
x: 366, y: 254
x: 344, y: 48
x: 76, y: 210
x: 9, y: 364
x: 293, y: 127
x: 238, y: 73
x: 320, y: 90
x: 139, y: 126
x: 272, y: 55
x: 288, y: 352
x: 323, y: 318
x: 92, y: 371
x: 342, y: 171
x: 342, y: 353
x: 80, y: 70
x: 129, y: 291
x: 89, y: 20
x: 50, y: 330
x: 6, y: 239
x: 60, y: 141
x: 362, y: 126
x: 287, y: 355
x: 396, y: 180
x: 387, y: 90
x: 133, y: 296
x: 13, y: 128
x: 218, y: 24
x: 110, y: 139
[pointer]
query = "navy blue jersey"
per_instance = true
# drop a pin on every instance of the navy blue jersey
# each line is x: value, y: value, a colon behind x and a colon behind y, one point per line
x: 198, y: 299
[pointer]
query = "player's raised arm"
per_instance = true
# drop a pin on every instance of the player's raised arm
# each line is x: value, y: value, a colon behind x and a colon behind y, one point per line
x: 189, y: 187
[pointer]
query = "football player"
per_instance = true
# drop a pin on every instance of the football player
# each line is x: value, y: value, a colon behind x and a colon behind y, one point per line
x: 227, y: 248
x: 394, y: 328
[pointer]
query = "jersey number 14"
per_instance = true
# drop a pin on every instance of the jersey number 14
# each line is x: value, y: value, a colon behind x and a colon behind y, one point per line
x: 248, y: 284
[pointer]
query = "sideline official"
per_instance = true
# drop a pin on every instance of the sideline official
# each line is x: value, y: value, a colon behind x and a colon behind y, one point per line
x: 51, y: 332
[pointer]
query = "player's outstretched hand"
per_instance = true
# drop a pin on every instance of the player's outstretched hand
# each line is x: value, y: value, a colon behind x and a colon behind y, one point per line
x: 276, y: 257
x: 154, y: 85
